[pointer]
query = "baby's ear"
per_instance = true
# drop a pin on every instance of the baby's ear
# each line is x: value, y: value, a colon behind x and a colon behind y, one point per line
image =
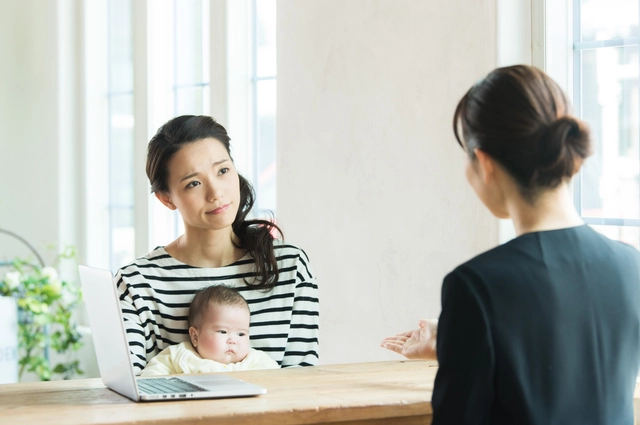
x: 193, y: 334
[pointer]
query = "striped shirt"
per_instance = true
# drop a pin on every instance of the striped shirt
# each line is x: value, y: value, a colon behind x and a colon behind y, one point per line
x: 156, y: 290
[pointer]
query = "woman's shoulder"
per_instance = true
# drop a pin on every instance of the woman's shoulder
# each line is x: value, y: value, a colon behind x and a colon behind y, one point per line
x: 577, y: 244
x: 497, y: 261
x: 500, y: 254
x: 618, y: 246
x: 158, y: 259
x: 291, y: 258
x: 610, y: 252
x: 523, y: 248
x: 285, y: 250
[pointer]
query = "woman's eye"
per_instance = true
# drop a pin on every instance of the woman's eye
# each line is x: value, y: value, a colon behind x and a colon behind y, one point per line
x: 193, y: 184
x: 223, y: 170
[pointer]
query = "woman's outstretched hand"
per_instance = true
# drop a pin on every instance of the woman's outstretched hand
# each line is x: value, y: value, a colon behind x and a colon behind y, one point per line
x: 416, y: 344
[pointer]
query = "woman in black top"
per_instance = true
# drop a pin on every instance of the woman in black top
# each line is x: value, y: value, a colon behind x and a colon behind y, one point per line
x: 544, y: 329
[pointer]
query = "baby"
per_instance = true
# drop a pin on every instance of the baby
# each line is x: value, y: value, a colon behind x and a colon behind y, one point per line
x: 219, y: 332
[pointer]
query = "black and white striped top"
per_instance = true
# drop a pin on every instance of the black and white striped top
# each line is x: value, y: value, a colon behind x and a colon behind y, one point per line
x: 156, y: 291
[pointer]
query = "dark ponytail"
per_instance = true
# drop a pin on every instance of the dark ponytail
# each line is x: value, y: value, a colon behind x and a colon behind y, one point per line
x: 256, y: 236
x: 520, y: 117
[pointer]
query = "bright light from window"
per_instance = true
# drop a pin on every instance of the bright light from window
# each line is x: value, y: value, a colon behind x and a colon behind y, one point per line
x: 607, y: 19
x: 606, y: 92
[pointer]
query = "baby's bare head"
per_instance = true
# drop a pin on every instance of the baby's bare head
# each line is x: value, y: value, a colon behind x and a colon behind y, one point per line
x: 220, y: 295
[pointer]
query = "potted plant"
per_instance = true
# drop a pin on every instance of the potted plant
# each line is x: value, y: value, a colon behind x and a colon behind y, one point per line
x: 46, y: 315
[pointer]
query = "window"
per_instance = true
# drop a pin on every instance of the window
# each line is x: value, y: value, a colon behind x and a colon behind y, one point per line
x: 110, y: 124
x: 120, y: 128
x: 179, y: 73
x: 264, y: 113
x: 146, y: 62
x: 605, y: 94
x: 591, y: 49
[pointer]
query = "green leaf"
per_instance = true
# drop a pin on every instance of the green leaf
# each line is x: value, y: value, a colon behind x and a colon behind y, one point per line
x: 46, y: 310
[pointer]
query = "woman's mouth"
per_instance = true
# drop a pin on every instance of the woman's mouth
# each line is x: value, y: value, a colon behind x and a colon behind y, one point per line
x: 219, y: 209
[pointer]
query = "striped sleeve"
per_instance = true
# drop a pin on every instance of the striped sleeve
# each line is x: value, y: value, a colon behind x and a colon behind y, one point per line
x: 133, y: 325
x: 302, y: 342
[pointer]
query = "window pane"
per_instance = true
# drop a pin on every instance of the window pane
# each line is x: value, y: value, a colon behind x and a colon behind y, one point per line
x: 607, y: 19
x: 121, y: 195
x: 191, y: 100
x: 122, y: 236
x: 120, y: 127
x: 626, y: 234
x: 120, y: 46
x: 189, y: 42
x: 179, y: 79
x: 266, y: 144
x: 266, y: 38
x: 610, y: 106
x: 121, y: 149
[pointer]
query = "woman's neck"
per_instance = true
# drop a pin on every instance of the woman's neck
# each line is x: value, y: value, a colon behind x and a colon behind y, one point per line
x: 206, y: 248
x: 553, y: 209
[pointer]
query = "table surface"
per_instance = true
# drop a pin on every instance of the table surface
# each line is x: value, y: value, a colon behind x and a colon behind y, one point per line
x: 374, y: 393
x: 394, y: 392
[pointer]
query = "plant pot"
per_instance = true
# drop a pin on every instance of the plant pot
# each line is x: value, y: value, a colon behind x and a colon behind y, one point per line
x: 8, y: 340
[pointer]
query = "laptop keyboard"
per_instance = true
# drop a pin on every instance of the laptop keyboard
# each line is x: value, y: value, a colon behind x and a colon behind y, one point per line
x: 167, y: 386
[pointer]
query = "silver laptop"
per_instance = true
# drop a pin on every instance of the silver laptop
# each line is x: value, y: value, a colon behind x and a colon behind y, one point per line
x: 114, y: 359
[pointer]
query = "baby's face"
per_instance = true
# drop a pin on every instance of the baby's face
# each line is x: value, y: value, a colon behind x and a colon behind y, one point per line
x: 223, y: 334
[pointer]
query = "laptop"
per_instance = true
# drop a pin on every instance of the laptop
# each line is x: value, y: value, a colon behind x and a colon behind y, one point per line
x: 114, y: 359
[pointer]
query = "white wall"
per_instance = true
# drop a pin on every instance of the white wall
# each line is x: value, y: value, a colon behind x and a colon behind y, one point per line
x: 29, y: 142
x: 40, y: 170
x: 370, y: 178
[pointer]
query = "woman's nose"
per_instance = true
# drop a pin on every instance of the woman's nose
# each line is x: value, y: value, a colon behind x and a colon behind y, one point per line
x: 213, y: 192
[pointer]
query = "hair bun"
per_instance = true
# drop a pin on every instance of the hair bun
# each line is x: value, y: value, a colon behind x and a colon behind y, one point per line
x: 516, y: 114
x: 563, y: 146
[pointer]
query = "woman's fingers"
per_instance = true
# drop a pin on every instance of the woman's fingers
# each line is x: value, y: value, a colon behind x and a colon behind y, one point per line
x: 395, y: 343
x: 393, y: 346
x: 416, y: 344
x: 398, y: 339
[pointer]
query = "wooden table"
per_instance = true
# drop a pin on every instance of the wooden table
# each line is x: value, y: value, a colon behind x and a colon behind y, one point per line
x: 396, y: 392
x: 380, y: 393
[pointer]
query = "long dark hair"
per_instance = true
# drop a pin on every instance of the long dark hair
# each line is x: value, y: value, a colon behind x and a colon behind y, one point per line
x: 521, y: 118
x: 256, y: 236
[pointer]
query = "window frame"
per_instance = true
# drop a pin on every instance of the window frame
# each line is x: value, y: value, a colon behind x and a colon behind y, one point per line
x: 554, y: 27
x: 231, y: 29
x: 578, y: 48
